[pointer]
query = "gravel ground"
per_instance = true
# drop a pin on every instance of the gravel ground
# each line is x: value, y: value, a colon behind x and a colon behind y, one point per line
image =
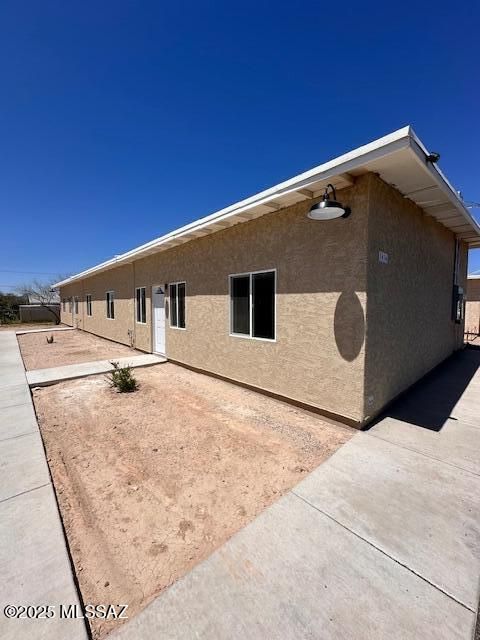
x: 68, y: 347
x: 150, y: 483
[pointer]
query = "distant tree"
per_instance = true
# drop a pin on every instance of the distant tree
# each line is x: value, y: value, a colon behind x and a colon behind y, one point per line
x: 9, y: 304
x: 43, y: 294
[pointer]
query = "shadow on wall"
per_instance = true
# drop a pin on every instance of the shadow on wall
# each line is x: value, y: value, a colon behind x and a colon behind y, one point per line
x: 429, y: 403
x: 349, y: 325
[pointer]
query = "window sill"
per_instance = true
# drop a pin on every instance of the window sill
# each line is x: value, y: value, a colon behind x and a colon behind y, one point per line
x: 144, y: 324
x: 246, y: 337
x: 178, y: 328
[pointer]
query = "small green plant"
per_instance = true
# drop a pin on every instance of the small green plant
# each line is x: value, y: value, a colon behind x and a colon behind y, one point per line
x: 122, y: 379
x: 50, y: 339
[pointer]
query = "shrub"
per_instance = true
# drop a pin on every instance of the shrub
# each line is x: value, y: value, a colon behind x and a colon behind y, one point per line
x: 122, y: 379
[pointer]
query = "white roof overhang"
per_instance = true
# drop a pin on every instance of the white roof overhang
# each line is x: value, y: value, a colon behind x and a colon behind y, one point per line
x: 398, y: 158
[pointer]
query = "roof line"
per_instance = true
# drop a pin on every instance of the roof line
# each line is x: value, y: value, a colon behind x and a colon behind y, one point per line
x: 342, y: 164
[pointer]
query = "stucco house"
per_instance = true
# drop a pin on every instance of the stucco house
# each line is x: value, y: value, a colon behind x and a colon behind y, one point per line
x: 472, y: 306
x: 339, y: 314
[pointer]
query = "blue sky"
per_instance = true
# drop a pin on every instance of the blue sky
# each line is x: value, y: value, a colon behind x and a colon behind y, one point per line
x: 120, y: 121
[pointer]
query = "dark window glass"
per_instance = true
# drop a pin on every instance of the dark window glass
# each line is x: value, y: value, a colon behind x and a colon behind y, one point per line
x: 141, y: 309
x: 144, y: 305
x: 181, y: 305
x: 173, y: 305
x: 110, y: 305
x: 240, y: 301
x: 263, y: 305
x: 89, y: 305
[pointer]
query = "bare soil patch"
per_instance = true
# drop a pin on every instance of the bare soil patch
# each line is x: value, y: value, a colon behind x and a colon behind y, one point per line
x: 68, y: 347
x: 150, y: 483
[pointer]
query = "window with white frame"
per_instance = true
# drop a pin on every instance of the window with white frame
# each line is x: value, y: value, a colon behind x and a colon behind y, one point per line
x: 70, y: 305
x: 64, y: 304
x: 111, y: 305
x: 75, y: 305
x: 177, y: 305
x: 88, y: 300
x: 140, y: 305
x: 252, y: 304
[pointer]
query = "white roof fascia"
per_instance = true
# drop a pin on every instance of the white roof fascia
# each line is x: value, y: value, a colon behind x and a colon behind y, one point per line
x: 400, y: 139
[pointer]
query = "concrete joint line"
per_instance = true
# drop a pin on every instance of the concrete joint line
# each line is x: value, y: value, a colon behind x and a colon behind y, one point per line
x: 22, y: 493
x: 385, y: 553
x: 10, y: 406
x: 20, y: 435
x: 422, y: 453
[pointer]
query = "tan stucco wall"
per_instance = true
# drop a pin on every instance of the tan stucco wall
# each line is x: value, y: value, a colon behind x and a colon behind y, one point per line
x: 121, y: 280
x: 472, y: 306
x: 335, y: 349
x: 318, y: 356
x: 409, y: 309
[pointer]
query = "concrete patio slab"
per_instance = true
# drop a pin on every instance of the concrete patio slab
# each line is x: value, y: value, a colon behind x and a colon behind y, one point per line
x: 11, y: 376
x: 22, y: 465
x: 313, y: 579
x: 15, y: 395
x: 34, y: 563
x: 457, y: 443
x: 17, y: 420
x: 467, y: 409
x: 34, y: 566
x: 43, y: 377
x: 419, y: 511
x: 21, y: 332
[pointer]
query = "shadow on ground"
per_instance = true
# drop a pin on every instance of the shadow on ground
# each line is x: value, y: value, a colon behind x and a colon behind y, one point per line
x: 429, y: 403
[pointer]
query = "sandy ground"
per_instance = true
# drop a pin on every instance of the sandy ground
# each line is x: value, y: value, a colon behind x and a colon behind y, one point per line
x: 69, y: 347
x: 150, y: 483
x: 26, y: 326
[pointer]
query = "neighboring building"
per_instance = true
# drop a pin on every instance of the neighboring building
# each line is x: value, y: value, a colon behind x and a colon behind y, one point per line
x: 341, y: 315
x: 472, y: 306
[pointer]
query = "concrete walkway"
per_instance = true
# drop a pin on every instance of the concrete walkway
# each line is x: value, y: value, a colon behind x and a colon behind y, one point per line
x: 381, y: 541
x: 22, y: 331
x: 34, y: 563
x: 44, y: 377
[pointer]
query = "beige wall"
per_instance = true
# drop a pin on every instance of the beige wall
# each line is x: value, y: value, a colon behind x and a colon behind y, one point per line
x: 472, y: 306
x: 121, y: 280
x: 323, y: 269
x: 409, y: 310
x: 318, y: 354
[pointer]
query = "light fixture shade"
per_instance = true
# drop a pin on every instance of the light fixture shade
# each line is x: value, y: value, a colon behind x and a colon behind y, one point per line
x: 327, y: 210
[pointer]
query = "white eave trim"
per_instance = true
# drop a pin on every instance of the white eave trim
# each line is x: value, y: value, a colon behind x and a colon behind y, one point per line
x: 304, y: 185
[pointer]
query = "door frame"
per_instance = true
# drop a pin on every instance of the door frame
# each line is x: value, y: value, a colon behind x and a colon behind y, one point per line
x: 152, y: 314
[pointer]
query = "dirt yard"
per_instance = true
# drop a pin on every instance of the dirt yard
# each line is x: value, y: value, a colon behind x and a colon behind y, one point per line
x: 68, y: 347
x: 150, y: 483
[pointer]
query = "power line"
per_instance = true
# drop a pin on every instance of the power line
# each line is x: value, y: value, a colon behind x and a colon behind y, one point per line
x: 38, y: 273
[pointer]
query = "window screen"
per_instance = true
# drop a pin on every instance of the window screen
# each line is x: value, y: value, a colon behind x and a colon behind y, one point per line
x: 173, y: 306
x: 263, y: 305
x: 110, y: 305
x: 252, y: 305
x: 141, y: 305
x: 181, y: 304
x: 240, y: 304
x: 177, y: 305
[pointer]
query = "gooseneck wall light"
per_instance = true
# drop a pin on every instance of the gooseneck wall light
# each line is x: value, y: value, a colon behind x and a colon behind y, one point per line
x: 328, y: 208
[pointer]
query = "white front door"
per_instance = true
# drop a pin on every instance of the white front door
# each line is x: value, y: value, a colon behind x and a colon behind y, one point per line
x: 158, y: 319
